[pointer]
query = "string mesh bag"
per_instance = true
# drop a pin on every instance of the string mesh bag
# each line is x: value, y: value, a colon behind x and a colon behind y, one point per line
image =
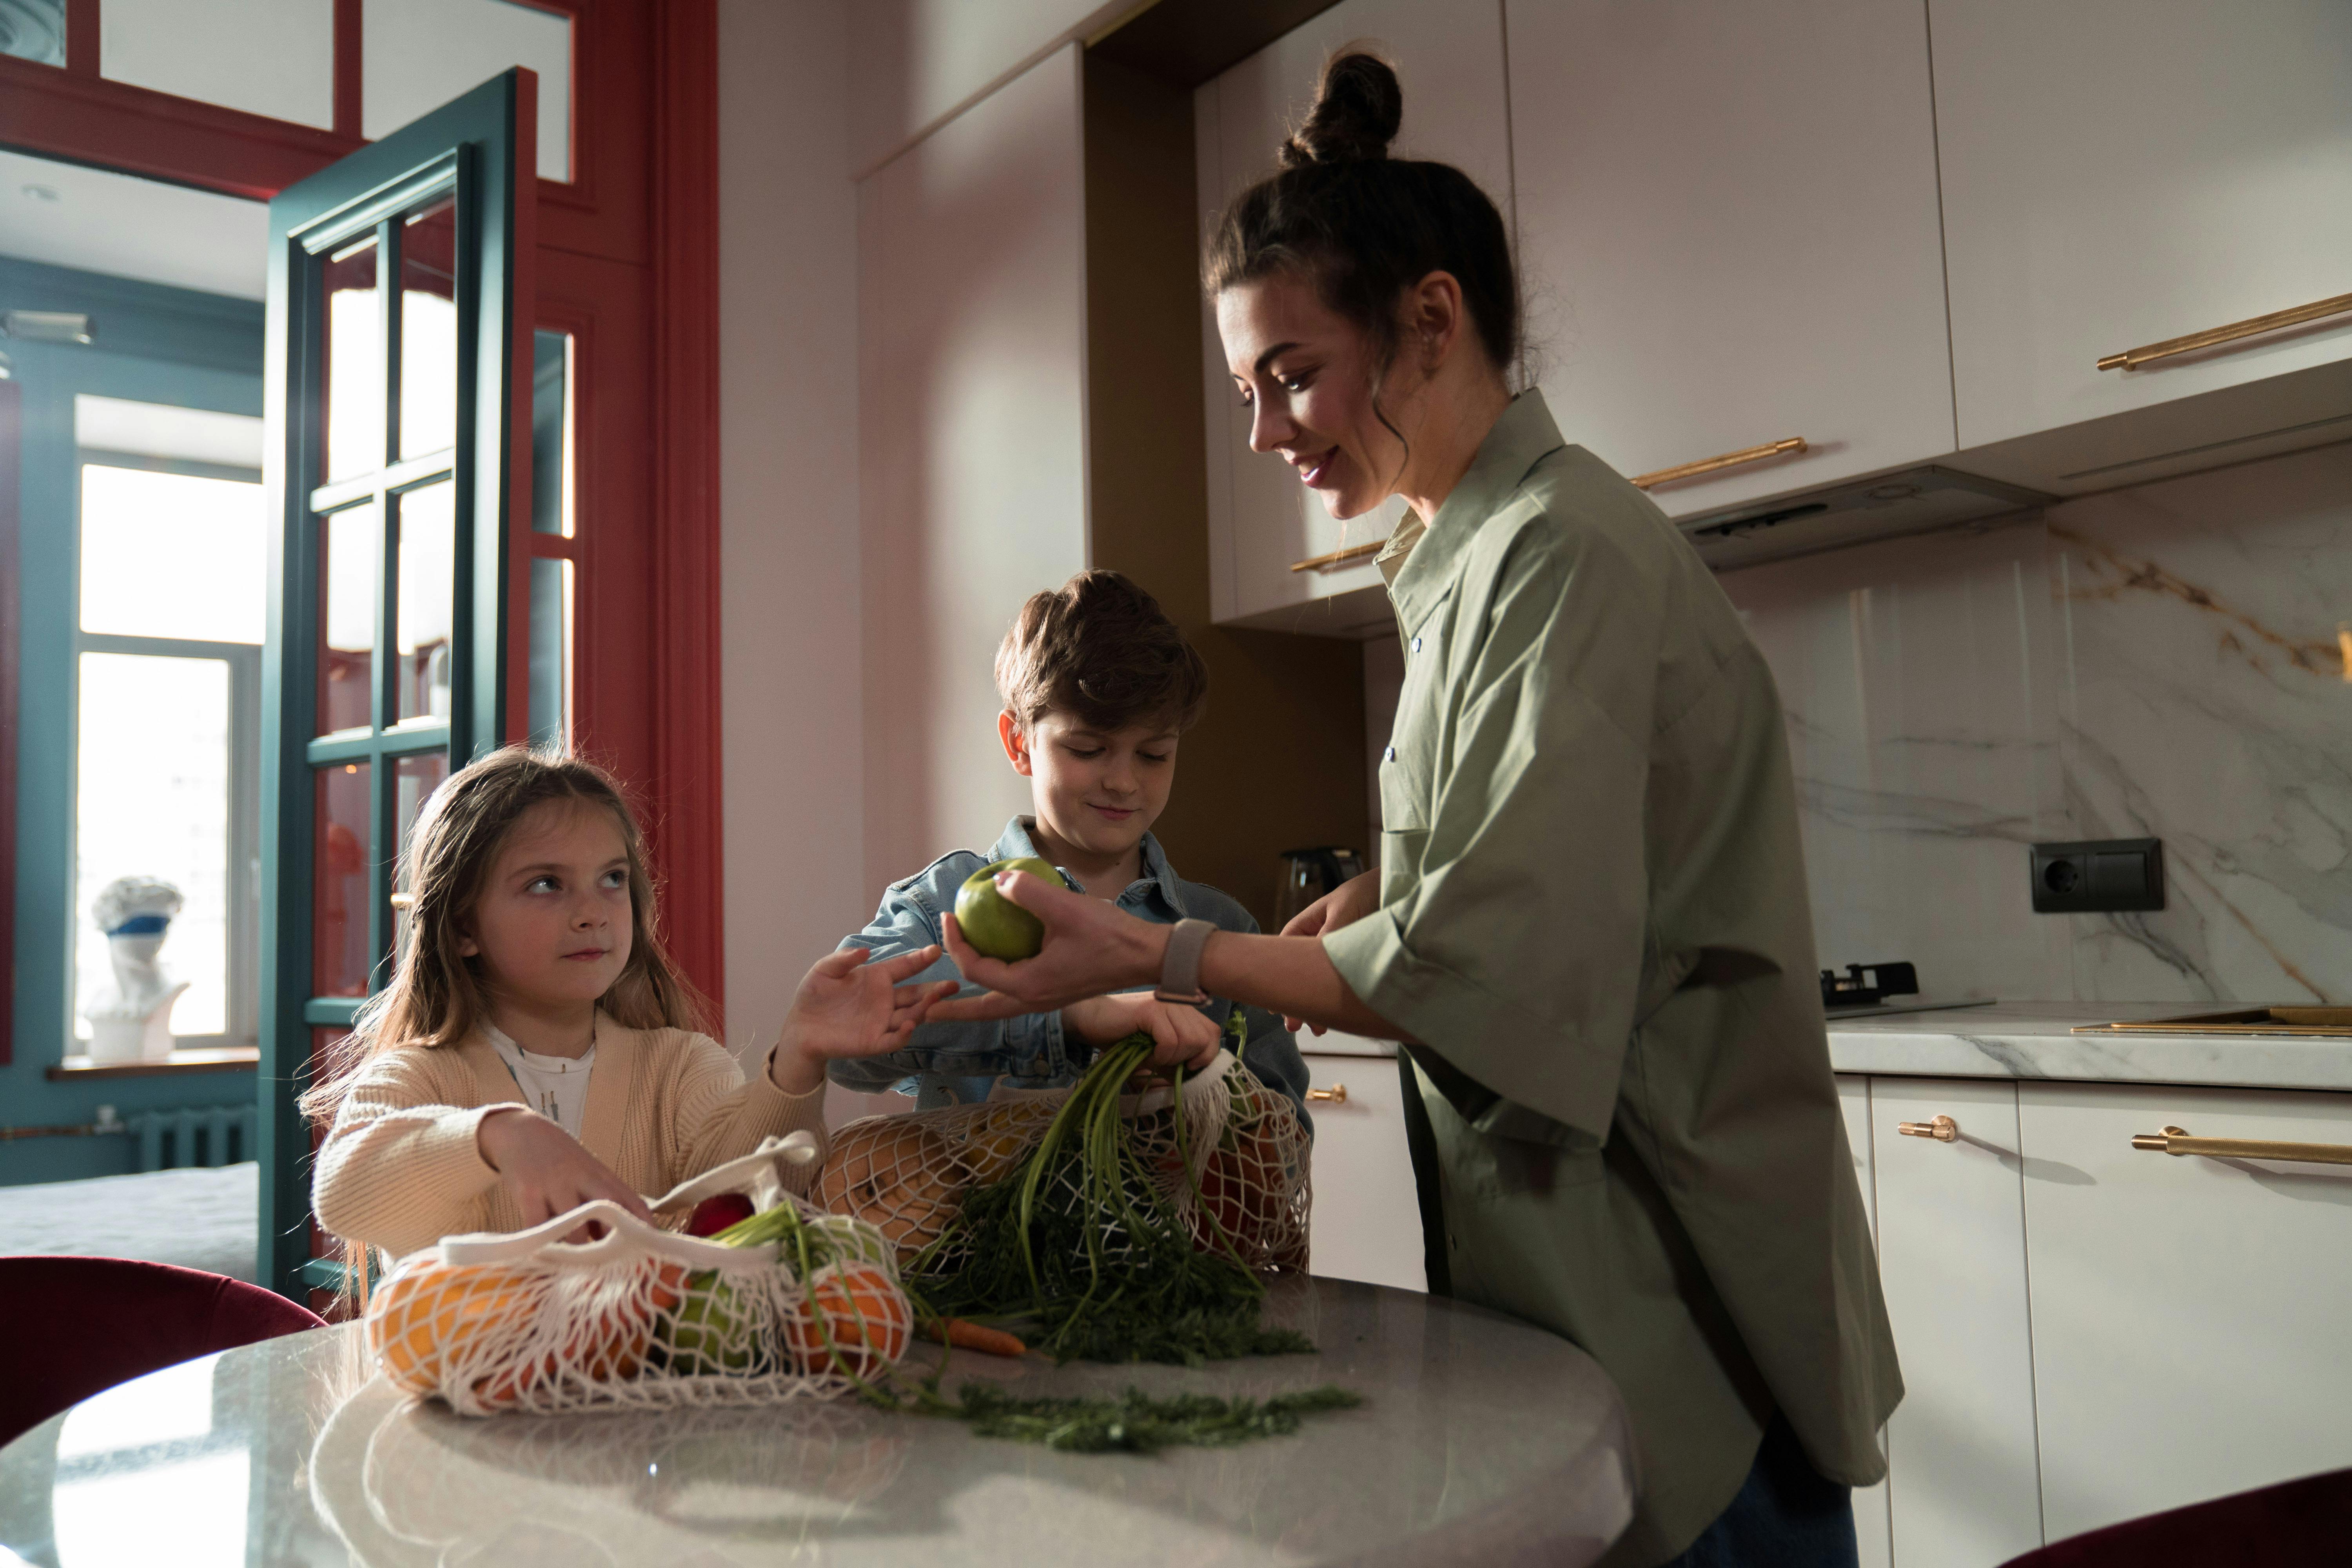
x: 1105, y: 1180
x: 790, y: 1304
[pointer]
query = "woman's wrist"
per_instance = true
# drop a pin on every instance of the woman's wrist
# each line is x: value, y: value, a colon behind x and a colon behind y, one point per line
x: 1146, y: 951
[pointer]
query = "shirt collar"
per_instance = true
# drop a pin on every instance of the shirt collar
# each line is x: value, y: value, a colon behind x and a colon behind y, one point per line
x: 1520, y: 440
x: 1157, y: 875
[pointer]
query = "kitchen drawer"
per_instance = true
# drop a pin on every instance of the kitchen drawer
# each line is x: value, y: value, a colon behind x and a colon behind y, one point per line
x: 1367, y: 1222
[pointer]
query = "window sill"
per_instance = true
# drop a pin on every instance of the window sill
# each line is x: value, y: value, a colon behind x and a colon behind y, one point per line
x: 227, y: 1058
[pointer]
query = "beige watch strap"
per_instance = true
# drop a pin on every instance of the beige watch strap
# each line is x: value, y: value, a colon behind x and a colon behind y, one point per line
x: 1179, y: 967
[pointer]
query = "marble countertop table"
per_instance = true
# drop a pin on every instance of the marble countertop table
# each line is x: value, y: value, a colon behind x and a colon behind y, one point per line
x: 2036, y: 1041
x: 1483, y: 1442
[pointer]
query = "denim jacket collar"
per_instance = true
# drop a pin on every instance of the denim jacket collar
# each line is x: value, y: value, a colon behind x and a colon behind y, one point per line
x: 1016, y: 844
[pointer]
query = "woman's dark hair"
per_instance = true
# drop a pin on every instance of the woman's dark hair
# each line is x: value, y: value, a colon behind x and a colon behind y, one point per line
x: 1364, y: 227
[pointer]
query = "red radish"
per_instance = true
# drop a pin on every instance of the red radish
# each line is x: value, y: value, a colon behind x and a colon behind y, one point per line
x: 712, y: 1216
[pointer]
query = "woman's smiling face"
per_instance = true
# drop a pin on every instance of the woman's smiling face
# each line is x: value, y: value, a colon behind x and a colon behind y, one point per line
x: 1309, y: 375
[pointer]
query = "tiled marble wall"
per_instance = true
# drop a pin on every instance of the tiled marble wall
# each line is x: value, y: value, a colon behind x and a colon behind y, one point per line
x: 2172, y: 661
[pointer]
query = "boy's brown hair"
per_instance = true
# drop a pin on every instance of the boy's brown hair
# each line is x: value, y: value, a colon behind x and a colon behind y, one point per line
x: 1099, y: 649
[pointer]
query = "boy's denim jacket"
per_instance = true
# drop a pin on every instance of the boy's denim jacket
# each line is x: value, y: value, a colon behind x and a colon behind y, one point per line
x: 947, y: 1063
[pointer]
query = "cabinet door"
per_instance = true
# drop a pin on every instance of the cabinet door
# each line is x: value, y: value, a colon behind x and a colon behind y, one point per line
x: 1728, y: 234
x: 1367, y: 1222
x: 2117, y: 173
x: 1951, y: 1257
x: 1261, y: 519
x: 2187, y: 1312
x: 1870, y: 1519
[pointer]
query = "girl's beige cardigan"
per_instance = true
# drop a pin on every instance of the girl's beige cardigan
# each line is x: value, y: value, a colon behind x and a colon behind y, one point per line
x: 401, y: 1169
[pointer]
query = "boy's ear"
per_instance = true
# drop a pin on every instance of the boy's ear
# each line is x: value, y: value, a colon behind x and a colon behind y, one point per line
x: 1017, y: 744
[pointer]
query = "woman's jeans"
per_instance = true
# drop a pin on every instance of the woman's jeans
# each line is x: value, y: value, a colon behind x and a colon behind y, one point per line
x: 1786, y: 1515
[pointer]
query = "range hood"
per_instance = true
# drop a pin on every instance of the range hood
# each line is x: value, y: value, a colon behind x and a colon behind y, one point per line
x: 1914, y: 500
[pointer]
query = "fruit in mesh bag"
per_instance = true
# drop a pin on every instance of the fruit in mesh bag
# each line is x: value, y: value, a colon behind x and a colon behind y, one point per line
x: 1245, y: 1181
x: 855, y: 1319
x: 433, y: 1313
x: 436, y: 1316
x: 994, y: 1141
x: 709, y: 1329
x: 897, y: 1174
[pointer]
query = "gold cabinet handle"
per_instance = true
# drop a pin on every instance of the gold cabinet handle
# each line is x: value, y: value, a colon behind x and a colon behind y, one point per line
x: 2132, y: 359
x: 1338, y: 558
x: 1943, y: 1129
x: 1744, y: 456
x: 2173, y: 1140
x: 1336, y: 1094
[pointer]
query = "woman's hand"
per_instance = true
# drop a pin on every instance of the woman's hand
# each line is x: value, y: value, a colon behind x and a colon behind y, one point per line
x: 1181, y: 1036
x: 1344, y: 905
x: 848, y: 1007
x: 1091, y: 949
x: 546, y: 1171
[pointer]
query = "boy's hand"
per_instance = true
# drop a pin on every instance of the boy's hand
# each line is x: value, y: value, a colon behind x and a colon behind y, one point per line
x: 848, y: 1007
x: 546, y: 1171
x: 1181, y: 1036
x: 1344, y: 905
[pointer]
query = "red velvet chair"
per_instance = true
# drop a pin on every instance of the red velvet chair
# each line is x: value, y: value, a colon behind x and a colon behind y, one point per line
x: 72, y: 1326
x: 2292, y: 1525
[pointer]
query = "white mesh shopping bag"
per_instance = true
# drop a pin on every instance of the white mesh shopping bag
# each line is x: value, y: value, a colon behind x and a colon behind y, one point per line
x: 643, y: 1317
x: 1235, y: 1171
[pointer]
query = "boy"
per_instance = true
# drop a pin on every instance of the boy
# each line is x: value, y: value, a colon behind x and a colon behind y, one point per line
x: 1098, y: 686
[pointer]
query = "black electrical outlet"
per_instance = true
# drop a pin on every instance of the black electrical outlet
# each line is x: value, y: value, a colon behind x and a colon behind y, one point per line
x: 2098, y: 874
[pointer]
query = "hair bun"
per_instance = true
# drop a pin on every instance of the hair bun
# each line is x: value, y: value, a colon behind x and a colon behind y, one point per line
x: 1358, y: 108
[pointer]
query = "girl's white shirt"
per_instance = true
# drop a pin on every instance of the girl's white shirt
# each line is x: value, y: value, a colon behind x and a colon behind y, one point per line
x: 556, y: 1087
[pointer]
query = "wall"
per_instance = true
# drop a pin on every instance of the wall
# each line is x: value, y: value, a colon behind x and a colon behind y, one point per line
x: 792, y: 760
x: 971, y: 448
x: 913, y: 63
x: 1281, y: 708
x: 2168, y: 660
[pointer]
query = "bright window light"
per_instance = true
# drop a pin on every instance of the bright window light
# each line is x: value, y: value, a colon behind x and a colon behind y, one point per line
x: 171, y: 556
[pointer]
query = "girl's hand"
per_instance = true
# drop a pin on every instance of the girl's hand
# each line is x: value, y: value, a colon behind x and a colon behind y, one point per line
x: 546, y: 1171
x: 1091, y: 949
x: 1344, y: 905
x: 1181, y: 1036
x: 848, y: 1007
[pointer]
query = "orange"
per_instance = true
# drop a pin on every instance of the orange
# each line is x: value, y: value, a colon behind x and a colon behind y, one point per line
x: 866, y: 1322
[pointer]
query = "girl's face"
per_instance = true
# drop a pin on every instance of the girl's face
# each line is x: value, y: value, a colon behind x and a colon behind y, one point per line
x: 1307, y: 377
x: 1098, y: 791
x: 552, y: 925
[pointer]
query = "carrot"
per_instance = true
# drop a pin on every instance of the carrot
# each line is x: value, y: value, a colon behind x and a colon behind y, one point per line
x: 971, y: 1336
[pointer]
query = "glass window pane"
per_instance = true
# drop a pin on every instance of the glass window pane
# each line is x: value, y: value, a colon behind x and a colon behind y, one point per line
x: 152, y: 800
x: 162, y: 431
x: 266, y: 57
x: 34, y: 30
x: 171, y: 556
x: 551, y: 433
x: 418, y: 55
x: 348, y: 556
x: 551, y: 653
x: 414, y: 780
x: 340, y: 960
x: 428, y: 332
x: 428, y: 575
x: 355, y: 375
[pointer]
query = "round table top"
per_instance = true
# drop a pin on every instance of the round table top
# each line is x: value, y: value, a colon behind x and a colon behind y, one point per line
x: 1481, y: 1440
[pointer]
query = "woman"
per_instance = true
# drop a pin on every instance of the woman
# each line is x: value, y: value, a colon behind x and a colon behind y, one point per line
x: 1590, y: 924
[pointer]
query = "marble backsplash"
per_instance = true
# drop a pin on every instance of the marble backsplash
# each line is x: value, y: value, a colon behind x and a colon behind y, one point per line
x: 2171, y: 661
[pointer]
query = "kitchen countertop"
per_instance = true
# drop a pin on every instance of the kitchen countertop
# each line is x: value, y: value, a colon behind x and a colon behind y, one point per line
x: 2035, y: 1040
x: 1481, y: 1440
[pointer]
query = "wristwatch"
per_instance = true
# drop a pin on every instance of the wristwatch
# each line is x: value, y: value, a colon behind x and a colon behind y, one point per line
x: 1179, y: 967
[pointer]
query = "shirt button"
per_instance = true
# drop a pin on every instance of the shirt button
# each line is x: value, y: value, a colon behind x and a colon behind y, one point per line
x: 1416, y: 645
x: 1389, y: 755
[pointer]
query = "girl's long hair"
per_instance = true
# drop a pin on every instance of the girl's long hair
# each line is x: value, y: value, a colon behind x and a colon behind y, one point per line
x: 436, y: 997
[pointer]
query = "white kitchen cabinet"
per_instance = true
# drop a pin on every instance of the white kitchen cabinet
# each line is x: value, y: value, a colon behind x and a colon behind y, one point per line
x: 1728, y: 236
x: 2189, y: 1313
x: 1261, y: 519
x: 1870, y: 1515
x: 1963, y: 1486
x: 2117, y: 173
x: 1367, y: 1219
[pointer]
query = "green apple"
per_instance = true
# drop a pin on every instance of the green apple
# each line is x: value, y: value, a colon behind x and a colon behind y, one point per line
x: 993, y: 923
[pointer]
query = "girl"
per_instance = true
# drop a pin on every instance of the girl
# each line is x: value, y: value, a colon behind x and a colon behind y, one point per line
x: 536, y: 1049
x: 1591, y: 926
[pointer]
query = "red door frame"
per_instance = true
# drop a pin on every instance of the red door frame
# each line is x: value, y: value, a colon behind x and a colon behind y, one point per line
x: 628, y: 262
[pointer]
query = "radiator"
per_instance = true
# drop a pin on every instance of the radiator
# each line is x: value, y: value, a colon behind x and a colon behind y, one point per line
x: 195, y: 1135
